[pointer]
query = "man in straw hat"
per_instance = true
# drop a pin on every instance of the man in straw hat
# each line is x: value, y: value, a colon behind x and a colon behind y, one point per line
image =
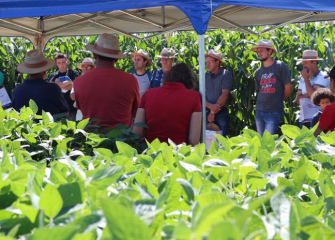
x: 273, y: 83
x: 107, y: 93
x: 167, y: 58
x: 87, y: 65
x: 219, y: 83
x: 141, y: 62
x: 63, y: 77
x: 327, y: 118
x: 47, y: 96
x: 311, y: 79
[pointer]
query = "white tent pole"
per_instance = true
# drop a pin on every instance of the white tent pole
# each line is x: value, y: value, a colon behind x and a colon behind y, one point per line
x: 202, y: 84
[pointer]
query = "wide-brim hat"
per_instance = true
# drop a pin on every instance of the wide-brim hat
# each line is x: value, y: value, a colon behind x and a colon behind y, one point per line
x: 309, y: 55
x: 167, y: 53
x: 142, y: 54
x: 107, y: 46
x: 35, y: 62
x: 264, y: 43
x: 86, y: 61
x: 214, y: 54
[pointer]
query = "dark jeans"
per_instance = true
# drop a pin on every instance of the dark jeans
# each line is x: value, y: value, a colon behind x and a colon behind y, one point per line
x: 221, y: 119
x: 268, y: 121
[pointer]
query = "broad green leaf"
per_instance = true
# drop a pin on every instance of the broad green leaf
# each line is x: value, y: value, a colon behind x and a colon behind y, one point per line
x: 56, y: 130
x: 187, y: 188
x: 126, y: 149
x: 72, y: 193
x: 225, y: 230
x: 281, y: 209
x: 33, y: 106
x: 83, y: 123
x: 104, y: 177
x: 45, y: 118
x: 123, y: 223
x: 208, y: 216
x: 268, y: 143
x: 50, y: 201
x: 291, y: 131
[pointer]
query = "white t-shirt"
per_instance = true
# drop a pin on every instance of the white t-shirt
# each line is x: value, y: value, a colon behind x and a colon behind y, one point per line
x: 307, y: 108
x: 143, y: 82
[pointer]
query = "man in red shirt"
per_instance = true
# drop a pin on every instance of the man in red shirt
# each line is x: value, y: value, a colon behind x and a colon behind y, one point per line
x: 327, y: 118
x: 106, y: 93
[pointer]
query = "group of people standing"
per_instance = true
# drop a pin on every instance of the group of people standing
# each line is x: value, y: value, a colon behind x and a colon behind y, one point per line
x: 164, y: 100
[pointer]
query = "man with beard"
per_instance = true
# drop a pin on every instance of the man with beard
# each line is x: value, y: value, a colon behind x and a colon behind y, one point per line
x: 311, y: 79
x: 273, y: 83
x: 219, y: 83
x: 141, y: 62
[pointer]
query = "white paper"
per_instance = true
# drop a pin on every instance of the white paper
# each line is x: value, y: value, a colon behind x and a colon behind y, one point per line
x: 4, y: 97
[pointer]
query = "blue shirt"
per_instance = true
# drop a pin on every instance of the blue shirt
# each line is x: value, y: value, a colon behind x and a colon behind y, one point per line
x: 47, y: 96
x: 157, y: 78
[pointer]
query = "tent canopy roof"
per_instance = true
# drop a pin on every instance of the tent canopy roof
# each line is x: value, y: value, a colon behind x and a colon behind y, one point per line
x: 49, y: 18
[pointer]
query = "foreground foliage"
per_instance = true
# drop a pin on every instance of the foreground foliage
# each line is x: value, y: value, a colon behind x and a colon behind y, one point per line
x: 247, y: 188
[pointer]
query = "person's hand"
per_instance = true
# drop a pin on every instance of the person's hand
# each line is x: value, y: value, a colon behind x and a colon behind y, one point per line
x: 306, y: 73
x: 211, y: 117
x: 65, y: 84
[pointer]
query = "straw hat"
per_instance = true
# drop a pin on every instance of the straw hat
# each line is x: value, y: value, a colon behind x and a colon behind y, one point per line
x: 107, y: 46
x: 142, y: 54
x: 86, y: 61
x: 167, y: 53
x: 35, y: 62
x: 309, y: 55
x: 214, y: 54
x: 264, y: 43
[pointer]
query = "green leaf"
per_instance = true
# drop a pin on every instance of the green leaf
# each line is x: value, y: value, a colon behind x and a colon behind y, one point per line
x: 126, y: 149
x: 291, y: 131
x: 123, y: 223
x: 187, y: 188
x: 281, y: 209
x: 50, y: 201
x: 83, y: 123
x: 45, y: 118
x: 56, y: 130
x: 225, y: 230
x: 104, y: 177
x: 33, y: 106
x: 72, y: 193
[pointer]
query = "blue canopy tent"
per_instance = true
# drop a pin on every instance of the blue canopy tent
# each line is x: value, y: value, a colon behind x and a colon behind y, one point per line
x: 43, y: 19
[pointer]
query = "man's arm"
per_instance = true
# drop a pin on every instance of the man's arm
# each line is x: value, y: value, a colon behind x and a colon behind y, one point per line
x: 306, y: 76
x: 317, y: 131
x: 136, y: 100
x: 140, y: 118
x: 220, y: 103
x: 66, y: 85
x: 287, y: 90
x: 299, y: 96
x: 195, y: 128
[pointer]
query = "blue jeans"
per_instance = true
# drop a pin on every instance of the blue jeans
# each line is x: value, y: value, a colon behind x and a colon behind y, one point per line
x: 221, y: 119
x: 268, y: 121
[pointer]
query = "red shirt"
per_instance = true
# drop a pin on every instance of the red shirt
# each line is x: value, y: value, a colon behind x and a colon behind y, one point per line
x: 168, y: 111
x: 108, y: 94
x: 327, y: 118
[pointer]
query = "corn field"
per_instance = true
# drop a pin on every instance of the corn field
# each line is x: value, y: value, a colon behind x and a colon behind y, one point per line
x: 289, y: 41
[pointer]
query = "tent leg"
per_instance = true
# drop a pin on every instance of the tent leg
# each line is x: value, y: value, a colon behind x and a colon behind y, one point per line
x: 202, y: 84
